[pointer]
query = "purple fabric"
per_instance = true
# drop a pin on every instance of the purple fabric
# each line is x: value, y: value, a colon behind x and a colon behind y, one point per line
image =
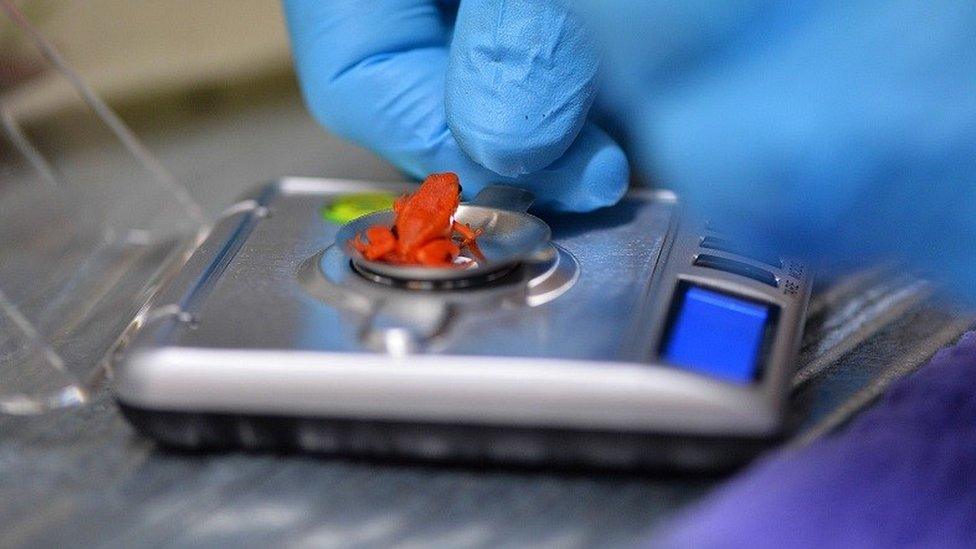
x: 902, y: 474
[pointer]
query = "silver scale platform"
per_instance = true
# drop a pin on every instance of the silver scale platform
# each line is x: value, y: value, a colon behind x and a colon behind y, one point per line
x: 267, y: 338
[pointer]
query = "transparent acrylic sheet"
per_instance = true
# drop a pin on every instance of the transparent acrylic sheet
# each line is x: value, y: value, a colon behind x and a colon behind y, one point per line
x: 89, y: 222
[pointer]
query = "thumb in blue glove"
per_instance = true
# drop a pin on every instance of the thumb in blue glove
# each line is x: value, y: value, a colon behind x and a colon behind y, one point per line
x: 498, y: 92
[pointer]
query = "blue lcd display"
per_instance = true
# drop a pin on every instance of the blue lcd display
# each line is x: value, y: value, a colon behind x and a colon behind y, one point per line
x: 716, y: 334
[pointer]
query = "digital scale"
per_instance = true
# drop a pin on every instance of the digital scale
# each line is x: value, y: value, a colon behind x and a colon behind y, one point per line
x: 634, y: 340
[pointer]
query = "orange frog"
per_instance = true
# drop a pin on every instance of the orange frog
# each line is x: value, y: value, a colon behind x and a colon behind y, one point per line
x: 424, y: 231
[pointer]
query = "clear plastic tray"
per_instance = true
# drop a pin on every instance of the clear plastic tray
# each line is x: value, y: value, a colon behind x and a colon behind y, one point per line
x: 90, y: 223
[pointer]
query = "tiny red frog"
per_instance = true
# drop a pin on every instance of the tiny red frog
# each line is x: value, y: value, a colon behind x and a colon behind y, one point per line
x: 424, y: 231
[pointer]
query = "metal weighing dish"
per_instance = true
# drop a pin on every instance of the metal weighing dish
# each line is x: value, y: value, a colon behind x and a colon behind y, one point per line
x: 510, y: 236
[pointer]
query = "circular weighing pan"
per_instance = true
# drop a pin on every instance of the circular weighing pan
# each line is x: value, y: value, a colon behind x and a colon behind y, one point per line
x: 509, y: 238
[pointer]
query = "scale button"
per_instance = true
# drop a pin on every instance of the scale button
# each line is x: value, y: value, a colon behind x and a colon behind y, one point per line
x: 725, y: 245
x: 717, y: 334
x: 736, y: 267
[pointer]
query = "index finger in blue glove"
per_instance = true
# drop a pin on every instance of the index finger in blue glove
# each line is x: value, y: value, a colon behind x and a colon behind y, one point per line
x: 520, y: 82
x: 368, y: 70
x: 376, y: 74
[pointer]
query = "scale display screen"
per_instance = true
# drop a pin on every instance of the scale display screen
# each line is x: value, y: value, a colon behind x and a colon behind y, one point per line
x: 717, y: 334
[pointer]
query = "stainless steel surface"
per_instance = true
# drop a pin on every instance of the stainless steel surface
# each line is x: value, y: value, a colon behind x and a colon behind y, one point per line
x: 259, y: 302
x: 509, y: 237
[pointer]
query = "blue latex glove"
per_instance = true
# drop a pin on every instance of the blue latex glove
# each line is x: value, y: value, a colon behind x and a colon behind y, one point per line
x: 498, y: 92
x: 838, y: 129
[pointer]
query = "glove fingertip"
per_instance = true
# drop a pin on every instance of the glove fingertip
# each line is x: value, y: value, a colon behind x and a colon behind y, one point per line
x: 596, y: 174
x: 608, y: 174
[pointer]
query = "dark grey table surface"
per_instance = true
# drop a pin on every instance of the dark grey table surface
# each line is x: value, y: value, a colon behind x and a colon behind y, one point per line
x: 82, y: 477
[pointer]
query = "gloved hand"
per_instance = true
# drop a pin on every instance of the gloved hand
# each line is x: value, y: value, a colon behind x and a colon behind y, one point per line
x: 498, y: 92
x: 835, y: 129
